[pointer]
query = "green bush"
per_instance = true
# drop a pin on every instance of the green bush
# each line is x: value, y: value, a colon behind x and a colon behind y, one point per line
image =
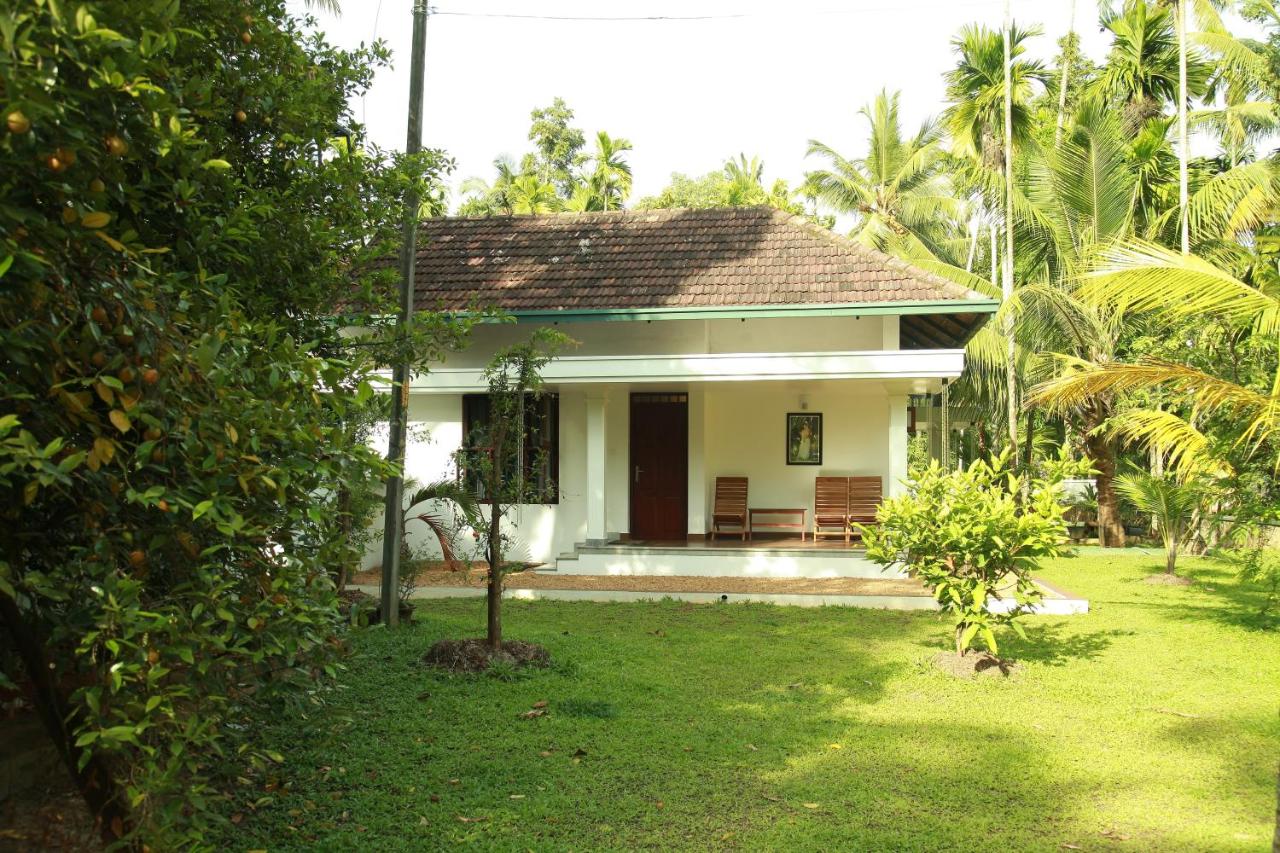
x: 968, y: 536
x: 182, y: 426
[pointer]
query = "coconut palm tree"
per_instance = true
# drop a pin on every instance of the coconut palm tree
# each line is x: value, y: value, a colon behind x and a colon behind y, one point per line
x: 1143, y: 278
x: 1172, y: 505
x: 898, y: 190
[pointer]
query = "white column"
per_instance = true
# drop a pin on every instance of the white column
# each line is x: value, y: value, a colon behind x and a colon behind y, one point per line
x: 697, y: 466
x: 596, y: 459
x: 897, y: 449
x: 890, y: 332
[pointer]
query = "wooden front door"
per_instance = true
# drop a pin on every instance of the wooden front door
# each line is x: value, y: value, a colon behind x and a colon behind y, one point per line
x: 659, y: 466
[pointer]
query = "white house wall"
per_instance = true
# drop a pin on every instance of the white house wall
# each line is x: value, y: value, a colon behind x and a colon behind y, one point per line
x: 745, y: 436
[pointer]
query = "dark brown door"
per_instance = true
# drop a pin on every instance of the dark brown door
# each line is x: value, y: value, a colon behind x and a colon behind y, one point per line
x: 659, y: 466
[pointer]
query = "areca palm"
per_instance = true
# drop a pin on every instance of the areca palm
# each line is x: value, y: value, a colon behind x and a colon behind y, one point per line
x: 976, y: 89
x: 610, y: 178
x: 530, y: 194
x: 898, y: 191
x: 1142, y: 69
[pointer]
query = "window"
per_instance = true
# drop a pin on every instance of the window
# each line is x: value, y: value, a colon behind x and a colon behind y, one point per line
x: 540, y: 441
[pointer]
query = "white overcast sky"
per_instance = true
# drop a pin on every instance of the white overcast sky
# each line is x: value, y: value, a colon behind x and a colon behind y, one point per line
x: 687, y: 93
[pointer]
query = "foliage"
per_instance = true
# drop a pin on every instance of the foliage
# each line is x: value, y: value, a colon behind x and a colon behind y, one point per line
x: 917, y: 454
x: 739, y: 183
x: 1261, y: 566
x: 898, y: 191
x: 1172, y: 504
x: 557, y: 176
x: 965, y: 536
x: 976, y: 88
x: 183, y: 424
x: 462, y: 509
x: 494, y: 457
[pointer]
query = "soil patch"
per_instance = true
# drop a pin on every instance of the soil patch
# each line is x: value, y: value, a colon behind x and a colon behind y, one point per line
x: 974, y: 663
x: 1166, y: 579
x: 474, y: 655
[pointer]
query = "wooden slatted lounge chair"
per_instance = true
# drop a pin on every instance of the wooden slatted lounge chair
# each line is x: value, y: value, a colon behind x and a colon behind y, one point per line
x: 831, y: 507
x: 730, y: 505
x: 865, y: 494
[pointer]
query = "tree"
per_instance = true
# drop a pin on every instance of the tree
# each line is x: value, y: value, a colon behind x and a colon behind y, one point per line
x: 898, y: 191
x: 964, y: 534
x: 739, y: 183
x: 495, y: 457
x: 558, y: 146
x: 177, y: 427
x: 1142, y: 68
x: 1171, y: 504
x: 1168, y: 287
x: 976, y: 88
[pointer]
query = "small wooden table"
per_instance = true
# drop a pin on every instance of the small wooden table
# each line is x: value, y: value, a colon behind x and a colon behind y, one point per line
x: 800, y: 525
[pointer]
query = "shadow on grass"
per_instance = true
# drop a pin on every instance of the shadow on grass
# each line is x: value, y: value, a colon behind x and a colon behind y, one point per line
x: 1216, y: 594
x: 1057, y: 644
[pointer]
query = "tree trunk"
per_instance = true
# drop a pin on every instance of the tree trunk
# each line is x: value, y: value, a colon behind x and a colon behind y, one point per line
x: 1184, y: 151
x: 959, y: 646
x: 1103, y: 455
x: 493, y: 599
x: 1170, y: 556
x: 95, y: 781
x: 1066, y: 73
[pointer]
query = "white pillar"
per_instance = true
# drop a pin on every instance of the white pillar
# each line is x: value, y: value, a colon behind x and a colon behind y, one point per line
x: 890, y: 332
x: 596, y: 459
x: 697, y: 467
x: 897, y: 449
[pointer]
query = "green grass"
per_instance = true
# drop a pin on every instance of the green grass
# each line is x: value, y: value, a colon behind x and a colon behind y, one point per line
x: 1150, y: 723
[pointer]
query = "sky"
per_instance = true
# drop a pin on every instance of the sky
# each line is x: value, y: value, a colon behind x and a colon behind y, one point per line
x: 761, y: 78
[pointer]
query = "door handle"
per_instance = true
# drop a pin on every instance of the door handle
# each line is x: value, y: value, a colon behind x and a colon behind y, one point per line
x: 637, y: 473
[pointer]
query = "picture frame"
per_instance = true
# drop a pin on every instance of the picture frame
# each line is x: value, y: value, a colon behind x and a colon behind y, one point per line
x: 804, y: 438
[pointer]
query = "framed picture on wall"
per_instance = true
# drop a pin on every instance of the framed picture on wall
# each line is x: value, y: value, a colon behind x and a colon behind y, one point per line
x: 804, y: 438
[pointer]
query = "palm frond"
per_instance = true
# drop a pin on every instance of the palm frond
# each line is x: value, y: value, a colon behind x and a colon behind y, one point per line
x: 1141, y: 276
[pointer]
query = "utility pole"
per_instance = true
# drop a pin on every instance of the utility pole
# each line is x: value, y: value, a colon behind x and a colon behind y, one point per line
x: 393, y: 528
x: 1011, y: 385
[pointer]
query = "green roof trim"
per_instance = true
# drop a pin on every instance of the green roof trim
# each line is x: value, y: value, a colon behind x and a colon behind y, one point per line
x: 754, y: 312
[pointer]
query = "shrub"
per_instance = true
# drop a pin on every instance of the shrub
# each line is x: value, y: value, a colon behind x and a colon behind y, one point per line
x: 180, y: 418
x: 966, y: 535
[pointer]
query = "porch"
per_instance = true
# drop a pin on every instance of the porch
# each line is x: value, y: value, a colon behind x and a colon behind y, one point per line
x: 764, y: 557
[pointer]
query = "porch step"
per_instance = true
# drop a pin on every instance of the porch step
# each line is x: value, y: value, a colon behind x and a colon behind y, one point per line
x: 706, y: 560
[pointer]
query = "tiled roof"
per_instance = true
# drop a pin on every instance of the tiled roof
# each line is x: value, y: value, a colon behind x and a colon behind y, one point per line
x: 719, y: 257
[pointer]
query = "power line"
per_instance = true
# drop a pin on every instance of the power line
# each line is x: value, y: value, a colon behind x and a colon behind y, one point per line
x: 710, y: 17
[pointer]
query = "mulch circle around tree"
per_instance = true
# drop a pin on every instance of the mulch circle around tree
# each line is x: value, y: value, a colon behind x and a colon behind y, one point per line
x: 474, y: 655
x: 1166, y: 579
x: 975, y: 663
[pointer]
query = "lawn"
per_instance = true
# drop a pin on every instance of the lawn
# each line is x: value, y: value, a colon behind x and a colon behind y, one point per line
x: 1150, y: 723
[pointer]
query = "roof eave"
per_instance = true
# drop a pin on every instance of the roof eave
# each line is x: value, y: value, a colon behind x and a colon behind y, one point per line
x: 755, y: 312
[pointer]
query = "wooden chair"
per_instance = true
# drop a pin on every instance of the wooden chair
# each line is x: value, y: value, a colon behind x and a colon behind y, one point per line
x: 730, y: 505
x: 865, y: 494
x: 831, y: 507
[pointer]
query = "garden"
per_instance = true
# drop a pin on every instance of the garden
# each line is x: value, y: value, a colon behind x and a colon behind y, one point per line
x: 191, y: 462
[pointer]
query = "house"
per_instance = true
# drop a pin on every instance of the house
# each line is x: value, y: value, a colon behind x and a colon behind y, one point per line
x: 738, y: 341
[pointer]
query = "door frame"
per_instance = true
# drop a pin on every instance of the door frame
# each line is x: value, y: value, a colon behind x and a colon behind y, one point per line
x: 631, y: 480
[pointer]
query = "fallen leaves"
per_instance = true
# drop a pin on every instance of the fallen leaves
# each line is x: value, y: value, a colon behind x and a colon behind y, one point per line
x: 533, y: 713
x: 465, y: 819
